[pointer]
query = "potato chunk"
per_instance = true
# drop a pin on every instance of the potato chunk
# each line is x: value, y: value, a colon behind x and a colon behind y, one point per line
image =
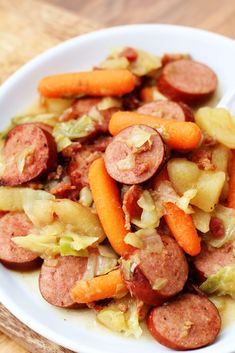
x: 217, y: 123
x: 186, y: 175
x: 183, y: 174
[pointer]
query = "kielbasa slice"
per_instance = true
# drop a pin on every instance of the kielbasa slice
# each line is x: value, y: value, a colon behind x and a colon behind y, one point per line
x: 129, y: 164
x: 35, y: 147
x: 58, y: 276
x: 188, y: 81
x: 211, y: 259
x: 187, y: 322
x: 168, y: 267
x: 168, y: 110
x: 14, y: 224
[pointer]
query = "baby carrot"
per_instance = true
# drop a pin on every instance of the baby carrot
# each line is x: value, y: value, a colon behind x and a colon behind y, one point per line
x: 146, y: 94
x: 177, y: 134
x: 162, y: 176
x: 231, y: 192
x: 182, y: 228
x: 97, y: 288
x: 93, y: 83
x: 107, y: 201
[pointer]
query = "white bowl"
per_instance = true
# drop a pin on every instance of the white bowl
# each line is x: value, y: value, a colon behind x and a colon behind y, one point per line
x: 78, y: 330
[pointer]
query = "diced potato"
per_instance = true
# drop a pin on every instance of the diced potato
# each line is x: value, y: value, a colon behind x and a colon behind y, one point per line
x: 14, y: 199
x: 183, y: 174
x: 201, y: 220
x: 220, y: 157
x: 209, y: 187
x: 186, y: 175
x: 217, y: 123
x: 57, y: 105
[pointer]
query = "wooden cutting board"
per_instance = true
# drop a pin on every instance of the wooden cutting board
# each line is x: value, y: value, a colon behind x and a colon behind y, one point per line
x: 27, y: 28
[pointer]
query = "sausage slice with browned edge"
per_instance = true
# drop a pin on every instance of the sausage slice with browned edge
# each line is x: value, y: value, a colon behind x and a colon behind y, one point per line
x: 187, y: 81
x: 156, y: 276
x: 187, y: 322
x: 168, y: 110
x: 58, y: 276
x: 211, y: 259
x: 135, y: 154
x: 29, y: 152
x: 16, y: 224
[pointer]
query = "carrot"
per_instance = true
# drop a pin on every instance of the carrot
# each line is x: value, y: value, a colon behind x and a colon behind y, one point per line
x: 146, y: 94
x: 231, y: 192
x: 177, y: 134
x: 107, y: 201
x: 97, y: 288
x: 160, y: 177
x: 93, y: 83
x: 182, y: 228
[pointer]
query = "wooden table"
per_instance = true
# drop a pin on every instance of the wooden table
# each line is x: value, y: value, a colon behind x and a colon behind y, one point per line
x: 27, y: 27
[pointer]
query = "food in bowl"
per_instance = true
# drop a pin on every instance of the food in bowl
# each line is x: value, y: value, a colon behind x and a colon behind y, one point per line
x: 118, y: 221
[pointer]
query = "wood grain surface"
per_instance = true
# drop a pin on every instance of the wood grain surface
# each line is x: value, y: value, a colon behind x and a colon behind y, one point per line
x: 28, y: 27
x: 212, y: 15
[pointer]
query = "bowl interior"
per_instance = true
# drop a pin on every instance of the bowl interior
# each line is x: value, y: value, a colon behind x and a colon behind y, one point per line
x: 78, y: 330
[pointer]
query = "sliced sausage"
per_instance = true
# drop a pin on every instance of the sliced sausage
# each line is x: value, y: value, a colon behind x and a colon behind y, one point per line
x: 130, y: 165
x: 79, y: 165
x: 188, y: 81
x: 58, y: 276
x: 210, y: 260
x: 169, y: 265
x: 15, y: 224
x: 168, y: 110
x: 35, y: 146
x: 140, y: 288
x: 187, y: 322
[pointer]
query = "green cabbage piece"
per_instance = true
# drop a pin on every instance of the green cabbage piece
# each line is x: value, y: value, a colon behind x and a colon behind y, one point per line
x: 65, y: 132
x: 138, y: 137
x: 108, y: 102
x: 144, y: 64
x: 45, y: 118
x: 126, y: 321
x: 150, y: 216
x: 221, y: 283
x: 55, y: 239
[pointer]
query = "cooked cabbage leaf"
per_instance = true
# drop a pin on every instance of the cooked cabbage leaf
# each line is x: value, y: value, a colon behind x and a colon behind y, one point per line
x: 116, y: 319
x: 138, y: 137
x: 221, y: 283
x: 55, y: 239
x: 65, y: 132
x: 150, y: 216
x: 44, y: 118
x: 144, y: 64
